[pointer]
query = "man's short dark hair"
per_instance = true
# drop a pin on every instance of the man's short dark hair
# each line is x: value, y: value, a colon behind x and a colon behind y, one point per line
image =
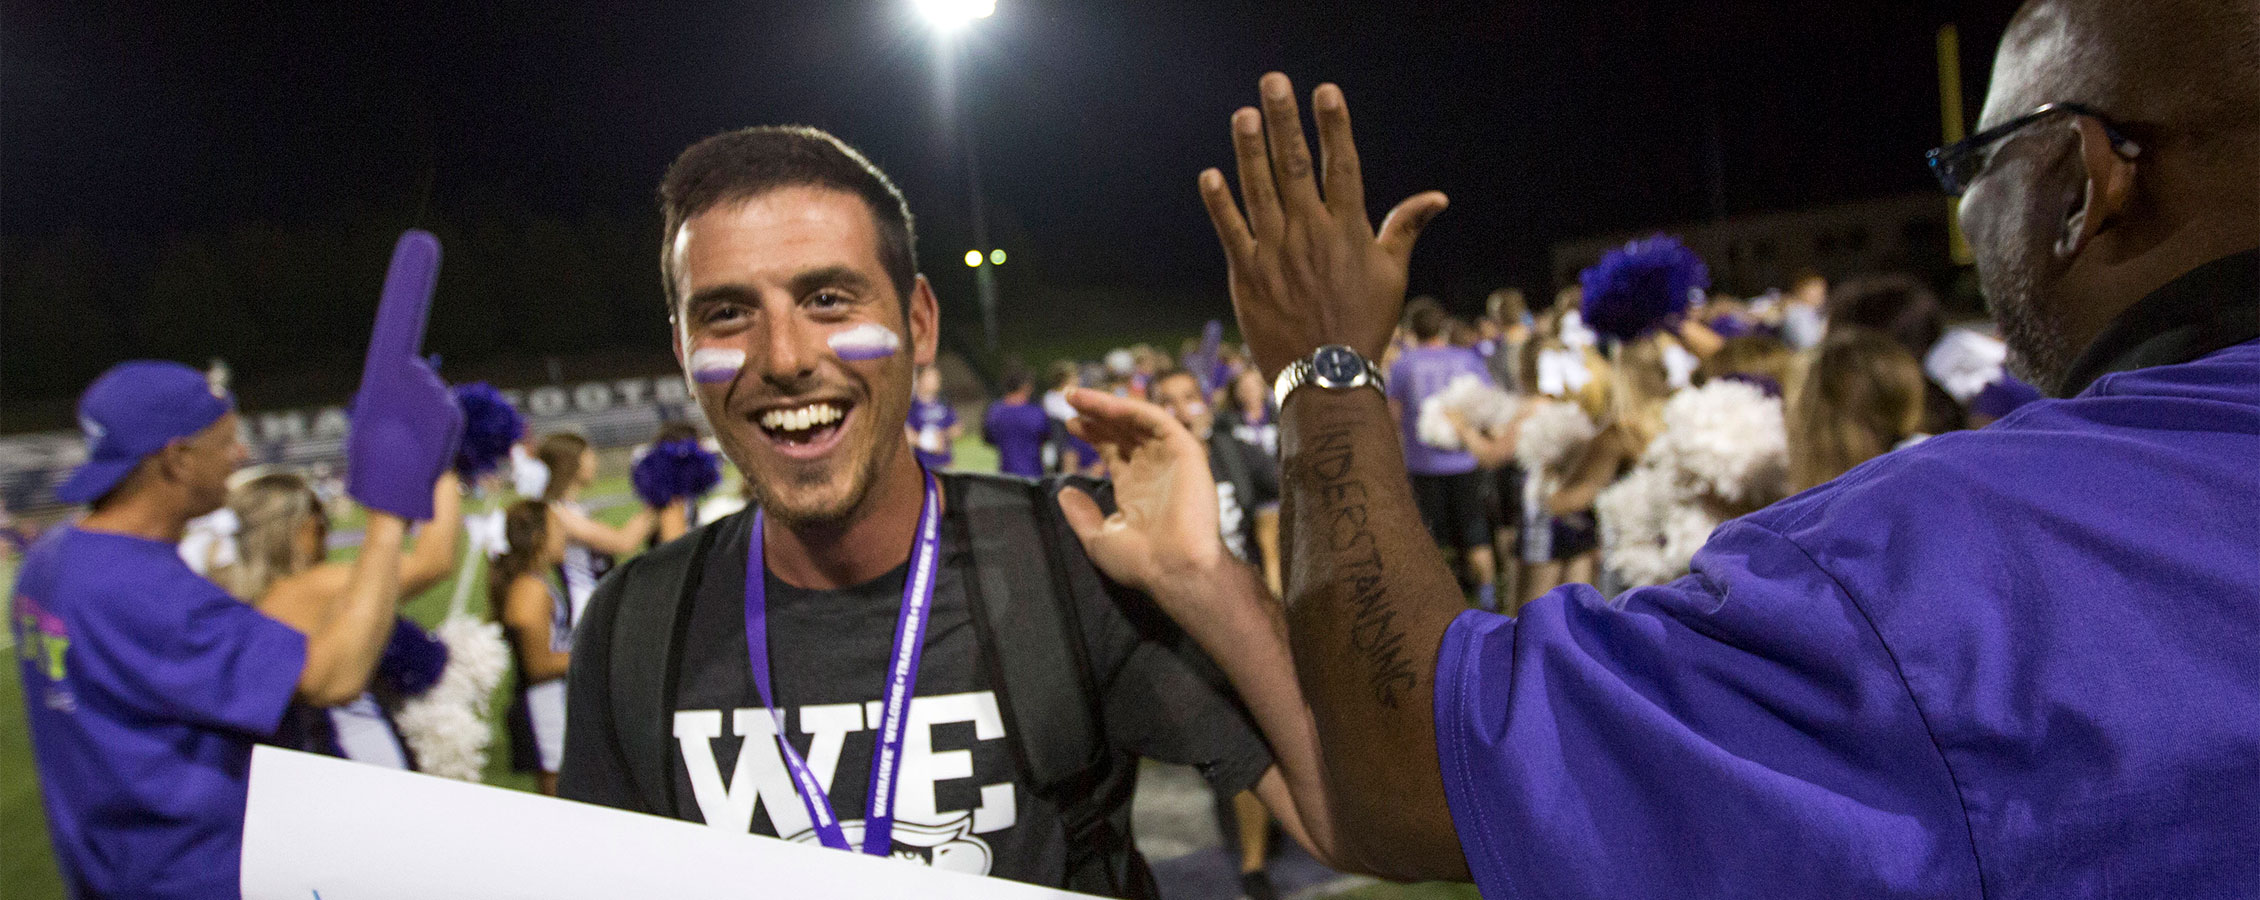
x: 1425, y: 318
x: 1166, y: 374
x: 739, y: 165
x: 1013, y: 379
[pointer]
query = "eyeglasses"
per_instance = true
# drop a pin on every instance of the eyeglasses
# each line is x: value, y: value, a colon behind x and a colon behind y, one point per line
x: 1959, y: 163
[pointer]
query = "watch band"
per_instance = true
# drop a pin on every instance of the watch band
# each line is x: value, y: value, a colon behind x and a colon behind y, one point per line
x: 1305, y: 371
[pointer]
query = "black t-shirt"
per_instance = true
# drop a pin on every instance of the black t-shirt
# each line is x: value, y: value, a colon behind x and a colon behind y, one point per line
x: 962, y: 802
x: 1247, y: 481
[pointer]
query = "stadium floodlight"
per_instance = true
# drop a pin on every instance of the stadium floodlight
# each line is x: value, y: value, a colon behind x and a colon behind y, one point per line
x: 996, y: 257
x: 950, y: 15
x: 972, y: 259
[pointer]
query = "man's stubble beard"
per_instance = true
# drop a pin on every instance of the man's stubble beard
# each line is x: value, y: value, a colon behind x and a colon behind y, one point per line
x: 861, y: 474
x: 2039, y: 353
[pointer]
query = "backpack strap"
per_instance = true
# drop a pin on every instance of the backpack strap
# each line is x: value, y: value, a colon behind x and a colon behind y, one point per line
x: 1029, y: 621
x: 647, y: 638
x: 1030, y: 630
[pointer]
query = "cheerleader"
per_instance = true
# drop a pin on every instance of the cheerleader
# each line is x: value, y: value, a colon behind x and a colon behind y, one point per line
x: 1639, y: 297
x: 1860, y: 396
x: 534, y: 616
x: 279, y: 568
x: 672, y: 475
x: 590, y: 545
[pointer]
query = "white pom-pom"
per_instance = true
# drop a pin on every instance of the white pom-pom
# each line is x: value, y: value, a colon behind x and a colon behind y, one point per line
x: 1482, y: 406
x: 1686, y: 529
x: 1726, y: 439
x: 1552, y: 438
x: 1722, y: 445
x: 1630, y: 515
x: 448, y: 726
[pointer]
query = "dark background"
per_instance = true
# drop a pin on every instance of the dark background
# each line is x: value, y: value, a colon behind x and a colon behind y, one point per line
x: 198, y: 180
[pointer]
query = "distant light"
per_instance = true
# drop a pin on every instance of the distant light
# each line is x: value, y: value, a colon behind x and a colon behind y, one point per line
x: 954, y: 14
x: 996, y: 257
x: 972, y: 259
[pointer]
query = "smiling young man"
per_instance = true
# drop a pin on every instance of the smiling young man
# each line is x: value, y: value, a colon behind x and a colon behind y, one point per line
x: 897, y: 627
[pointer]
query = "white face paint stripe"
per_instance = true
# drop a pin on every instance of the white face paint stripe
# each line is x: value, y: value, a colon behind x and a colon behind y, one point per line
x: 869, y: 340
x: 714, y: 365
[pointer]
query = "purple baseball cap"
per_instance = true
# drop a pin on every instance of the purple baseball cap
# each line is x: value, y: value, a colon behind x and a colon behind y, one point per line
x: 134, y: 410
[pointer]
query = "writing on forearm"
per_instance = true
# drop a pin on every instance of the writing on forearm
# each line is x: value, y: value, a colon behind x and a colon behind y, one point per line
x: 1375, y: 637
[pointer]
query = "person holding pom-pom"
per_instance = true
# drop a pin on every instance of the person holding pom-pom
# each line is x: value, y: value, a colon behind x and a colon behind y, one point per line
x: 590, y: 545
x: 672, y: 475
x: 281, y: 569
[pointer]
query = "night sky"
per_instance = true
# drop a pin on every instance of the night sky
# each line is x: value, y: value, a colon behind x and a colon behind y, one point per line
x: 1544, y: 121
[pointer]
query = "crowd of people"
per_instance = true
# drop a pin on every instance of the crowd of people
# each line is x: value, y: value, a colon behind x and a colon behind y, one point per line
x: 1651, y: 591
x: 1542, y: 451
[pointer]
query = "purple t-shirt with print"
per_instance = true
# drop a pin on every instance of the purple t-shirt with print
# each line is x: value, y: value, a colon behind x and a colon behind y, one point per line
x: 1418, y: 374
x: 146, y: 686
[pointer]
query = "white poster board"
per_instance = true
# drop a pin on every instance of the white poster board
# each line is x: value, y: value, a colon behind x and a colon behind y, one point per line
x: 319, y: 827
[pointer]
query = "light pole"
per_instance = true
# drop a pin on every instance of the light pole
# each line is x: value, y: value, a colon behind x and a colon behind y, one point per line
x: 949, y: 18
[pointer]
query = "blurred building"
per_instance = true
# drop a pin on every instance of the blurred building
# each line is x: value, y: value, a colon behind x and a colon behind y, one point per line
x: 1751, y: 254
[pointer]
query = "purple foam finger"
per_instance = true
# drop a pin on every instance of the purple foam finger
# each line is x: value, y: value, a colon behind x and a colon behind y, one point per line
x: 407, y: 301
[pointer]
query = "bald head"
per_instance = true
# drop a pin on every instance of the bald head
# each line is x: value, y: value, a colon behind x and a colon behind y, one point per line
x: 2189, y: 66
x: 2071, y: 225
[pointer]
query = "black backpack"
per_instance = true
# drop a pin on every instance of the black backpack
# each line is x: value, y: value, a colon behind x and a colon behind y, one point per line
x: 1044, y: 687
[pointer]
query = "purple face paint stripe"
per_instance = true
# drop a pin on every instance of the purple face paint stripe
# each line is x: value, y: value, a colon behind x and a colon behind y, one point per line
x: 863, y: 342
x: 716, y: 365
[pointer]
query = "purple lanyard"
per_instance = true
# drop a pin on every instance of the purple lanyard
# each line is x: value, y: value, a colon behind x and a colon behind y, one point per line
x: 902, y: 675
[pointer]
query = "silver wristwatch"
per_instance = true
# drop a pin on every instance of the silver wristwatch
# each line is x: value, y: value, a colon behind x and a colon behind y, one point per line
x: 1333, y: 366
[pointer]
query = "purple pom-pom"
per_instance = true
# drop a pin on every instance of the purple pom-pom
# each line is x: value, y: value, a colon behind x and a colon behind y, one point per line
x: 675, y: 470
x: 1641, y: 287
x: 490, y: 426
x: 413, y: 660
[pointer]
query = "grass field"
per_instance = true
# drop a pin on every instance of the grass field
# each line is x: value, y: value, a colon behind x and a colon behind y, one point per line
x: 27, y: 867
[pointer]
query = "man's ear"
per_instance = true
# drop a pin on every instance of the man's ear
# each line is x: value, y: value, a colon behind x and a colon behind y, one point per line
x: 925, y: 322
x: 172, y: 461
x: 2109, y: 188
x: 675, y: 338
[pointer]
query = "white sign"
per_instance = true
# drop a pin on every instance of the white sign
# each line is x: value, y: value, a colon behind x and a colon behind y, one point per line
x: 318, y: 827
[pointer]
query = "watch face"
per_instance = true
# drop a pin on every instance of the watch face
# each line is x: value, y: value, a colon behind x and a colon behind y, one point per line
x: 1335, y: 365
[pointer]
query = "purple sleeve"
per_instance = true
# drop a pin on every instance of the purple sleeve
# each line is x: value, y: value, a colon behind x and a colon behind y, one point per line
x: 1480, y: 366
x: 1739, y: 732
x: 210, y: 660
x: 1399, y: 381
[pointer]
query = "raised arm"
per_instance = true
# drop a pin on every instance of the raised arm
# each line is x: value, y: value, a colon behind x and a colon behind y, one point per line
x: 433, y: 558
x: 405, y: 428
x: 620, y: 540
x: 1163, y: 540
x: 1368, y: 595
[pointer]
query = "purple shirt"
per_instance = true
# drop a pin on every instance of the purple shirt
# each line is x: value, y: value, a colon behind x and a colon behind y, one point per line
x: 2021, y: 661
x: 931, y: 420
x: 1018, y: 430
x: 1418, y: 374
x: 145, y: 686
